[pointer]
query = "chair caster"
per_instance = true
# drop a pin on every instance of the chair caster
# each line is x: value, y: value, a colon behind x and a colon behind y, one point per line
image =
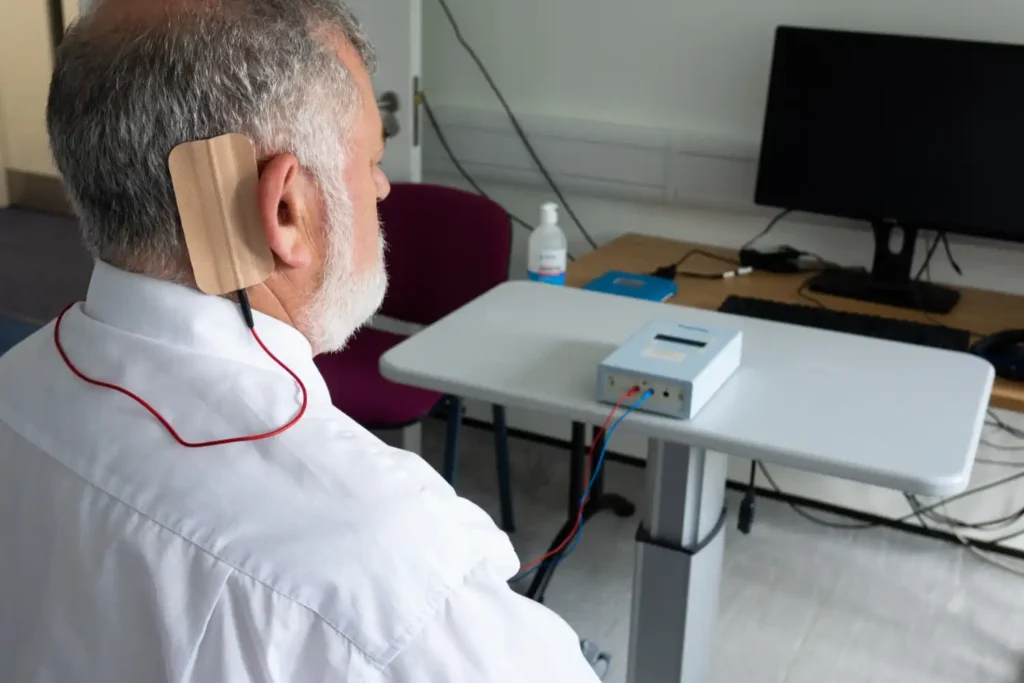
x: 599, y: 661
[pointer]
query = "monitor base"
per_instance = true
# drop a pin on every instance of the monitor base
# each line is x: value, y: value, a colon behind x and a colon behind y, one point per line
x: 863, y: 286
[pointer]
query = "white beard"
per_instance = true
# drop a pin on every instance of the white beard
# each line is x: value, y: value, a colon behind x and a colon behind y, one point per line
x: 346, y: 299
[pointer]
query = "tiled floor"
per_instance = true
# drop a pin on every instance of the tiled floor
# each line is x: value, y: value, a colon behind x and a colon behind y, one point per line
x: 799, y: 604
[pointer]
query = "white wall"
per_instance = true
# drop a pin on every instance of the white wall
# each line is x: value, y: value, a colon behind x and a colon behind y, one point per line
x: 651, y: 109
x: 650, y: 112
x: 694, y: 65
x: 661, y: 106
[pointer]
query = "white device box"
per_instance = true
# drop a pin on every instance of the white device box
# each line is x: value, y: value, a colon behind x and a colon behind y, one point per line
x: 684, y: 365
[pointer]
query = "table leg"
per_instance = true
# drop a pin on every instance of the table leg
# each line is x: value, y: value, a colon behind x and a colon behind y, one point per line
x: 577, y: 468
x: 678, y: 566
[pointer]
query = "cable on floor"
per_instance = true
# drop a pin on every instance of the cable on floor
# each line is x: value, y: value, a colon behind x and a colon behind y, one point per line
x: 995, y: 421
x: 998, y: 524
x: 603, y: 436
x: 847, y: 526
x: 920, y: 512
x: 927, y: 508
x: 515, y: 122
x: 990, y: 558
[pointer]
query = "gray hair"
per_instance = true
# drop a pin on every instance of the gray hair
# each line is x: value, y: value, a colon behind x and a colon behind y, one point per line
x: 123, y: 96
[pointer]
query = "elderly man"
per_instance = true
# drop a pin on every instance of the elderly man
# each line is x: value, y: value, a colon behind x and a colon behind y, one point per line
x: 128, y: 554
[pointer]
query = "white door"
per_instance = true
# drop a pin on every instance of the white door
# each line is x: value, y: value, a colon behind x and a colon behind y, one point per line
x: 5, y: 197
x: 395, y: 29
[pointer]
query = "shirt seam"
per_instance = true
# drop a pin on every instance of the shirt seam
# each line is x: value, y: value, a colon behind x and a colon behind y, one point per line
x: 444, y: 598
x: 187, y: 671
x: 334, y: 627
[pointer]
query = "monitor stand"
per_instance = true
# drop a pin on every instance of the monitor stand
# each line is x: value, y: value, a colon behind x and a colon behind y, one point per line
x: 889, y: 282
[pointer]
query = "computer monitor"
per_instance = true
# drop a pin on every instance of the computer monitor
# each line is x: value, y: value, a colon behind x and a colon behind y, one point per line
x: 907, y: 133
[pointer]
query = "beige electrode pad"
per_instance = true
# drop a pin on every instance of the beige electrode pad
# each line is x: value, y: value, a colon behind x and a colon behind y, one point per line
x: 215, y: 184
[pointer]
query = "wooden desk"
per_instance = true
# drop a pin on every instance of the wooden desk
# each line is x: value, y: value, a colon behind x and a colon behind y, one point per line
x: 980, y: 311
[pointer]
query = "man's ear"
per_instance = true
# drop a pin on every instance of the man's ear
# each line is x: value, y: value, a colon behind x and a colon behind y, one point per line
x: 282, y: 199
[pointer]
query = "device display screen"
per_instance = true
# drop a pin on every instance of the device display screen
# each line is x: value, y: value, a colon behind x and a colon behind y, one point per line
x: 678, y: 340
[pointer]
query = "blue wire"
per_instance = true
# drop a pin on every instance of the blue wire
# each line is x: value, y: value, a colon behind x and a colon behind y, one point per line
x: 597, y: 471
x: 586, y: 493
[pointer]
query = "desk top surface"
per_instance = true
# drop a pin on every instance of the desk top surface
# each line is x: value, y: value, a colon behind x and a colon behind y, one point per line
x: 880, y: 412
x: 980, y: 311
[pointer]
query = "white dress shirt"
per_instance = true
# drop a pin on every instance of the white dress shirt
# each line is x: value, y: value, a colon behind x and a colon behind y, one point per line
x: 318, y: 555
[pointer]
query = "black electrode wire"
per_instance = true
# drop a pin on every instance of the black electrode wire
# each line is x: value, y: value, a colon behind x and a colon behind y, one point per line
x: 243, y: 302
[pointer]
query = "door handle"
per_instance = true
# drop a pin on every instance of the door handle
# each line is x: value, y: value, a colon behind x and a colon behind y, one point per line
x: 389, y: 106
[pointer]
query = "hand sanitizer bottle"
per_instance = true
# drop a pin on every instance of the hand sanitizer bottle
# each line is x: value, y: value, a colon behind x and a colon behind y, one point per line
x: 547, y: 248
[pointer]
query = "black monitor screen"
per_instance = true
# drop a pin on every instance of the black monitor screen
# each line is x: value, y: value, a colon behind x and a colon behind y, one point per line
x: 923, y: 131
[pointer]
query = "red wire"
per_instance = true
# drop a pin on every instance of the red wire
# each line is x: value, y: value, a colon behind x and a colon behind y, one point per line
x: 586, y: 478
x: 167, y: 425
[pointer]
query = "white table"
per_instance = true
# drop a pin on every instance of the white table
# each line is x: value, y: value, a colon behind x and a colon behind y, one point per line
x: 879, y: 412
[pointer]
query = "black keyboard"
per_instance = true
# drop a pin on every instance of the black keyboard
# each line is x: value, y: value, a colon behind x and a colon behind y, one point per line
x: 865, y: 325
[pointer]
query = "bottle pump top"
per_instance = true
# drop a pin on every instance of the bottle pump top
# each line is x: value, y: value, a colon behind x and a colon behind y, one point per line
x: 549, y: 214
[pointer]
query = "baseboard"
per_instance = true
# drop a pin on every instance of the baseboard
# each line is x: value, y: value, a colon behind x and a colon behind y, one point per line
x: 604, y: 159
x: 37, y: 191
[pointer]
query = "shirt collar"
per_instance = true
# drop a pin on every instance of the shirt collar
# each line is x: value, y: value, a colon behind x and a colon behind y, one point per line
x: 184, y: 317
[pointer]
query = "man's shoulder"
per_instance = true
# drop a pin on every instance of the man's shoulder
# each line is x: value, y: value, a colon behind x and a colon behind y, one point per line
x: 367, y: 537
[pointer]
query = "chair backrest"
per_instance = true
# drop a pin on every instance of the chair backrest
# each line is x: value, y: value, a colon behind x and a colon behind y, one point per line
x: 445, y: 247
x: 12, y: 331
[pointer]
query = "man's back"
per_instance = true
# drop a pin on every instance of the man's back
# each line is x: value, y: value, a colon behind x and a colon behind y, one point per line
x: 318, y: 554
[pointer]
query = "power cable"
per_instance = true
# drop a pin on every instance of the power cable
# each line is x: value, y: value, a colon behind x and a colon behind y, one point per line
x: 920, y: 512
x: 981, y: 554
x: 1002, y: 425
x: 926, y: 266
x: 515, y: 122
x: 458, y: 164
x: 771, y: 225
x: 847, y: 526
x: 997, y: 423
x: 422, y: 97
x: 928, y: 508
x: 671, y: 271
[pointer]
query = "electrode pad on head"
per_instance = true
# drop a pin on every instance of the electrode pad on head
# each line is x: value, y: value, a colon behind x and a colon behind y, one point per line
x: 215, y: 185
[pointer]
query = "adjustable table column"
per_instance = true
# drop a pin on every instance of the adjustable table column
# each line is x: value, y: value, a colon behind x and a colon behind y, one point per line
x: 678, y: 566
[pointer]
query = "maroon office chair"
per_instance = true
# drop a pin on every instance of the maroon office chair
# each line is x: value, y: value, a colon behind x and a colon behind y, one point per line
x: 445, y: 247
